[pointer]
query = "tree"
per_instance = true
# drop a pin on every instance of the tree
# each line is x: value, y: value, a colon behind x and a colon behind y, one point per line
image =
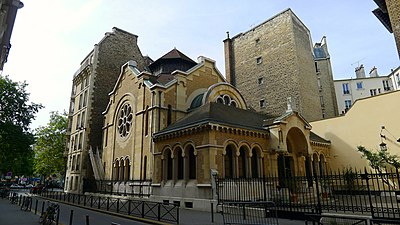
x: 381, y: 161
x: 50, y: 145
x: 16, y: 114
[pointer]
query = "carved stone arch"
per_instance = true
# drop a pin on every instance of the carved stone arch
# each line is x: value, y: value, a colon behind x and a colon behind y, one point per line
x: 187, y: 145
x: 175, y: 149
x: 126, y: 159
x: 246, y: 146
x: 164, y: 151
x: 116, y: 162
x: 257, y: 147
x: 322, y: 156
x: 221, y: 89
x: 229, y: 143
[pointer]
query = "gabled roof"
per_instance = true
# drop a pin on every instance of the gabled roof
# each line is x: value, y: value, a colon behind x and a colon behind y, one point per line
x: 283, y: 117
x: 314, y: 137
x: 171, y: 55
x: 218, y: 113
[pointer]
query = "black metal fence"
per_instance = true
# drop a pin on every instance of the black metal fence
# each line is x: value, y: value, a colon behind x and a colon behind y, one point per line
x: 348, y: 191
x: 249, y: 213
x: 143, y: 209
x: 137, y: 188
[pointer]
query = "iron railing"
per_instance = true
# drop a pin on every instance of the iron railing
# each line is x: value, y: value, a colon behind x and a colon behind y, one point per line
x: 249, y: 213
x: 136, y: 188
x: 349, y: 191
x: 143, y: 209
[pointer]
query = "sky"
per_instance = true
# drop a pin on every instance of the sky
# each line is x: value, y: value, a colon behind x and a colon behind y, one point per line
x: 52, y: 37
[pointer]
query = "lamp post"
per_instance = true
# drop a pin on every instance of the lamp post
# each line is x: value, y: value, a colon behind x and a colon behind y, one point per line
x: 383, y: 146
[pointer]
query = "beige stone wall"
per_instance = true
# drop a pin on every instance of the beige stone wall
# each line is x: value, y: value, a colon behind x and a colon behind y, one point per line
x: 361, y: 125
x: 286, y: 66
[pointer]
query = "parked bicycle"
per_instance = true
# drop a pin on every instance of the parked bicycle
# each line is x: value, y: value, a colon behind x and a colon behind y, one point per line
x: 4, y: 192
x: 26, y: 204
x: 13, y: 197
x: 50, y: 215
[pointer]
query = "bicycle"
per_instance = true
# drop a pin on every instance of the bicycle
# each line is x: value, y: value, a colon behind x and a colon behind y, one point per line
x: 13, y: 197
x: 26, y: 204
x: 50, y: 215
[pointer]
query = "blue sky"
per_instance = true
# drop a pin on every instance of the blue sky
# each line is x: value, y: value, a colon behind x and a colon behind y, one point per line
x: 51, y: 37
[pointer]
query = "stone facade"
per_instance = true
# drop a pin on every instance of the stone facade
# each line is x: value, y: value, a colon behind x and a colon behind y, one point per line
x: 325, y: 81
x: 92, y: 82
x: 178, y: 127
x: 274, y: 61
x: 393, y: 7
x: 389, y: 14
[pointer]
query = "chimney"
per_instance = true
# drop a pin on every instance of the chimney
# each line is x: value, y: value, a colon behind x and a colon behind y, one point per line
x: 360, y: 72
x: 373, y: 72
x: 229, y: 61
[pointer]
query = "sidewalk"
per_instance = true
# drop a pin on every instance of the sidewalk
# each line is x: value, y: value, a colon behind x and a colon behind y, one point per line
x: 189, y: 217
x: 11, y: 214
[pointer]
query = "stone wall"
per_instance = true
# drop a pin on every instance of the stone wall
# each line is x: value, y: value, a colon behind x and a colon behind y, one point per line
x: 393, y: 7
x: 274, y: 61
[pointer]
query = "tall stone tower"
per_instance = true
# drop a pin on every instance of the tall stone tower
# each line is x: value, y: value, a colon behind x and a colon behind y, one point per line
x: 389, y: 14
x: 272, y: 62
x: 91, y: 84
x: 325, y: 82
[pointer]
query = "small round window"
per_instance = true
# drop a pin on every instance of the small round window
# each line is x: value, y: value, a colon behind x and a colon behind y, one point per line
x: 125, y: 120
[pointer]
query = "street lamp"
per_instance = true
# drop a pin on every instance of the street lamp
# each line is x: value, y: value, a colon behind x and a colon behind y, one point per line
x: 383, y: 146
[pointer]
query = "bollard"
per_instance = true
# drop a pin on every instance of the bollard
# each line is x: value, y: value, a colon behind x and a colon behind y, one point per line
x: 87, y: 219
x: 58, y: 215
x: 41, y: 214
x: 212, y: 212
x: 36, y: 205
x: 71, y: 216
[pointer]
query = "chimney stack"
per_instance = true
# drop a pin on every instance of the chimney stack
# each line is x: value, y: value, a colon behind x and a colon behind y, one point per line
x: 229, y: 61
x: 360, y: 72
x: 373, y: 72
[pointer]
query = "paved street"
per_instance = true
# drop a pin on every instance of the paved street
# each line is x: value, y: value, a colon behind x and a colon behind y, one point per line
x: 13, y: 215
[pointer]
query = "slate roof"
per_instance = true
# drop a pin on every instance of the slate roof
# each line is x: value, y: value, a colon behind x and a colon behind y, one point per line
x: 173, y: 54
x: 219, y: 114
x: 314, y: 137
x: 319, y: 53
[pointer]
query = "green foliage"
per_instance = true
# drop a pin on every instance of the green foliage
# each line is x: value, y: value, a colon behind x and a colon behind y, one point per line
x: 349, y: 176
x: 379, y: 160
x: 50, y: 145
x: 16, y: 114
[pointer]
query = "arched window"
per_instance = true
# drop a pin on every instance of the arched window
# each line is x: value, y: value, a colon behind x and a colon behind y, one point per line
x: 229, y: 162
x: 255, y: 164
x: 226, y: 100
x: 169, y: 165
x: 242, y: 163
x: 121, y: 170
x: 127, y: 169
x: 180, y: 164
x: 116, y: 167
x: 322, y: 169
x: 192, y: 163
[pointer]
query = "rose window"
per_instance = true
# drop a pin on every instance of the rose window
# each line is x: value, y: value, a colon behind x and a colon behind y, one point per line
x: 125, y: 120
